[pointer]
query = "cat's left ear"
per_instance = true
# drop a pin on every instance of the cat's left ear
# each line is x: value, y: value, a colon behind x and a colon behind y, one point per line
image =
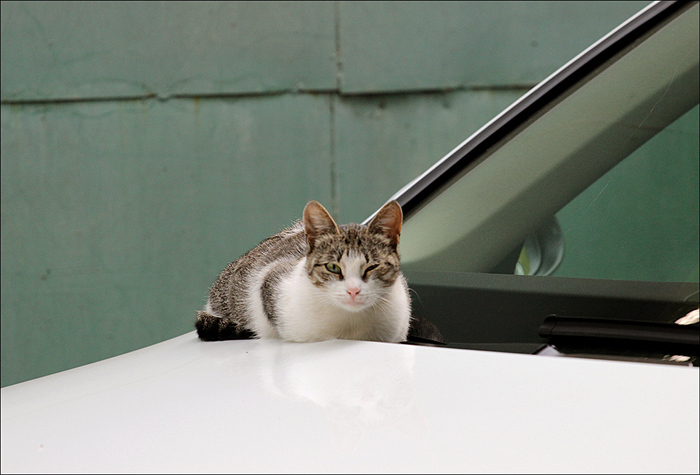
x: 317, y: 221
x: 387, y: 222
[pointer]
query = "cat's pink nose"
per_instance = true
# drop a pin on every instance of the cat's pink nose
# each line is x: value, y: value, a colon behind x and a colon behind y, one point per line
x: 353, y: 291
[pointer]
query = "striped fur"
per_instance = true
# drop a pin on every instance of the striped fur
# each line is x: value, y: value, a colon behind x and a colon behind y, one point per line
x: 314, y: 281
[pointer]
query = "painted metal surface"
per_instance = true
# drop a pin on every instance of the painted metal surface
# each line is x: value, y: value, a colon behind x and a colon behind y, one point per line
x: 76, y: 50
x: 398, y: 46
x: 112, y: 49
x: 346, y: 406
x: 117, y: 217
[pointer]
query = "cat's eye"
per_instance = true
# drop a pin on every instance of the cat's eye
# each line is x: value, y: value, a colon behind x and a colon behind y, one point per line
x: 334, y: 268
x: 370, y: 269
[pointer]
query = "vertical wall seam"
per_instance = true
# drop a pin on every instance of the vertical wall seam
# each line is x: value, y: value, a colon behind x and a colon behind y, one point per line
x: 335, y: 202
x: 338, y: 60
x: 335, y: 205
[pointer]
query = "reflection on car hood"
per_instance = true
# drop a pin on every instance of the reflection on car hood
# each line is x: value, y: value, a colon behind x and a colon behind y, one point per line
x: 268, y: 406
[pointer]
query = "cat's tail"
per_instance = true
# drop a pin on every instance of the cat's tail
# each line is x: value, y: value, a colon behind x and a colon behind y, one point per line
x: 211, y: 328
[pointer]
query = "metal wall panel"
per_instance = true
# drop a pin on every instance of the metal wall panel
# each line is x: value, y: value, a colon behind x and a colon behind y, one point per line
x: 399, y: 46
x: 118, y: 216
x: 116, y: 49
x: 125, y: 49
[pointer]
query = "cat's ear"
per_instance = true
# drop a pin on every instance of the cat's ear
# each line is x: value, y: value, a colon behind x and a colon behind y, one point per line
x: 317, y: 221
x: 387, y: 222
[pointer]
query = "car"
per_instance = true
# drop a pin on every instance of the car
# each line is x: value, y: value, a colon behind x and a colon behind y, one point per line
x: 588, y: 184
x: 568, y: 344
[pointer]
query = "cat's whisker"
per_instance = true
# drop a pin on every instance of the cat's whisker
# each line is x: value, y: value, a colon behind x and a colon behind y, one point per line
x: 413, y: 291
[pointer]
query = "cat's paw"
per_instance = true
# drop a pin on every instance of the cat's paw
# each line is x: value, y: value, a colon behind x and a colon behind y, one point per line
x: 207, y: 326
x: 211, y: 328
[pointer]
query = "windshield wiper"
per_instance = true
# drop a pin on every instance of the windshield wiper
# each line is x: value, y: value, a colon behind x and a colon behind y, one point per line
x: 560, y: 328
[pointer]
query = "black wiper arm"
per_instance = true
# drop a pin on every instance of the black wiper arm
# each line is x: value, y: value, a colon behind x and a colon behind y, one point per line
x: 557, y: 327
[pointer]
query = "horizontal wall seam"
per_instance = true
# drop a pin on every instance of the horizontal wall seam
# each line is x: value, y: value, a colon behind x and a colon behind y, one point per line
x: 236, y: 95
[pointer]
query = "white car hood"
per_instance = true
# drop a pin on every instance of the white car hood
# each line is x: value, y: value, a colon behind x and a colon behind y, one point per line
x: 346, y: 406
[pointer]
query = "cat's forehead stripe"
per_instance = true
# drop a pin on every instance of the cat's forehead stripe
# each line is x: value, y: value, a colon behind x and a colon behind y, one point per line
x: 353, y: 236
x: 354, y: 255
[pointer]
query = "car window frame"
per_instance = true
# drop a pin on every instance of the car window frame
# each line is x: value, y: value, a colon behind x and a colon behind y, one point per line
x: 560, y: 83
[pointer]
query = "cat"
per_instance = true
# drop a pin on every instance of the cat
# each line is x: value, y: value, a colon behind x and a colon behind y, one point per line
x: 315, y: 281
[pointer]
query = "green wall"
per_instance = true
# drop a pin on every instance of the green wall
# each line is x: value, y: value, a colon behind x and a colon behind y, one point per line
x: 147, y: 144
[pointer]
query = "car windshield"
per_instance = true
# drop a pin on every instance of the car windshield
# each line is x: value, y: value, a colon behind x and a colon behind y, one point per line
x: 600, y: 185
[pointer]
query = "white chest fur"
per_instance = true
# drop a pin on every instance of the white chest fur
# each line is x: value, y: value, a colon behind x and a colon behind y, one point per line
x: 310, y: 313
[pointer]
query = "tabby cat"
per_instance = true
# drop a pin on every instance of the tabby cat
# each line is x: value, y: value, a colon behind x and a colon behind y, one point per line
x: 315, y: 281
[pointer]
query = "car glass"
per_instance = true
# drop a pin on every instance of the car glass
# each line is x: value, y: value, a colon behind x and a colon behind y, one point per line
x: 593, y: 201
x: 617, y: 154
x: 637, y: 222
